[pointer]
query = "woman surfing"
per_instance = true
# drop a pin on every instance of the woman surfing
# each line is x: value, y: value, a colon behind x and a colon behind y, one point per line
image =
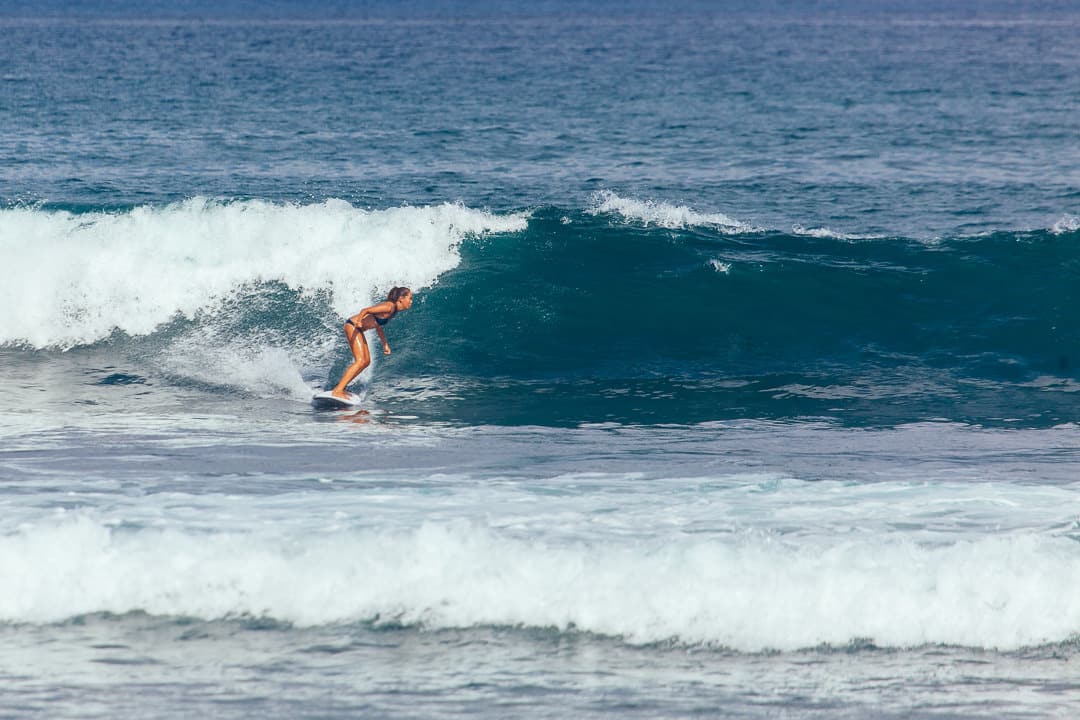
x: 370, y: 318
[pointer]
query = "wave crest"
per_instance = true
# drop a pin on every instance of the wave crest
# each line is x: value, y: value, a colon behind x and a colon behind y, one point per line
x: 76, y: 278
x: 824, y: 232
x: 661, y: 214
x: 1067, y: 224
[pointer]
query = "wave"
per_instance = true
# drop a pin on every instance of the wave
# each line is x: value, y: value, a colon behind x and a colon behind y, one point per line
x: 77, y: 278
x: 749, y: 593
x: 621, y: 312
x: 629, y: 299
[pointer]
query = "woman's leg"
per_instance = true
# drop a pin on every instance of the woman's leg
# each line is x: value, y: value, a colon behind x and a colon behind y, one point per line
x: 361, y: 359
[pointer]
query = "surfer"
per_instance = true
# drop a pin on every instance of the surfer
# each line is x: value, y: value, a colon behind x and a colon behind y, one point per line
x: 370, y: 318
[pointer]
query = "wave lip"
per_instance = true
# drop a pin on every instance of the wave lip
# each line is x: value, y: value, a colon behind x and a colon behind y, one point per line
x: 749, y: 593
x: 665, y: 215
x: 76, y: 278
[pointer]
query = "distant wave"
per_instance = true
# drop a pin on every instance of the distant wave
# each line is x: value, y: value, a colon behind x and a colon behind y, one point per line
x: 664, y: 215
x: 681, y: 217
x: 748, y: 593
x: 75, y: 278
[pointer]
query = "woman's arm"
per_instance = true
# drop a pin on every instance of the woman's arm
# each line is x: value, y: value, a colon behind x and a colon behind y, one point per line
x: 380, y: 309
x: 382, y: 336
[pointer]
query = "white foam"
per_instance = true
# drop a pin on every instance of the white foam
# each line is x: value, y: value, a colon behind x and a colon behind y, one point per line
x: 663, y: 214
x: 721, y: 267
x: 72, y: 279
x: 824, y: 232
x: 1067, y: 224
x: 749, y: 592
x: 262, y: 371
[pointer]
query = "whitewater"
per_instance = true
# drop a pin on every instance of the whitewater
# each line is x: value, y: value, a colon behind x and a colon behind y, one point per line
x: 134, y: 271
x: 736, y: 588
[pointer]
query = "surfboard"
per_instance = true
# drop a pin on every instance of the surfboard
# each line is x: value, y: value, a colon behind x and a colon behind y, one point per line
x: 326, y: 400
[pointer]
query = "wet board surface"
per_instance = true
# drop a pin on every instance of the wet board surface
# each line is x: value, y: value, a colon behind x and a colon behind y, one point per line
x: 327, y: 401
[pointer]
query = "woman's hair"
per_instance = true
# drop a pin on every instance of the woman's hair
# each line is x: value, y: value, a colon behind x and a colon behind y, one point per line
x: 398, y: 292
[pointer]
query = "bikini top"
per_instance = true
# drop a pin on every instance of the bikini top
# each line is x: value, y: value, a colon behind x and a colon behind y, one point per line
x: 383, y: 321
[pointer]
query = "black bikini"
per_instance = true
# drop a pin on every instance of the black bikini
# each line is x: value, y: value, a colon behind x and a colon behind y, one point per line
x: 383, y: 321
x: 379, y: 320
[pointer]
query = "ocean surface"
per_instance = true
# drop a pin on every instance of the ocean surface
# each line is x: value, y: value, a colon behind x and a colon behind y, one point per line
x: 742, y: 378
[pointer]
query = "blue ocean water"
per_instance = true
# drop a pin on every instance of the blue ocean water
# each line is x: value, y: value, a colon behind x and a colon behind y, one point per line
x: 741, y: 379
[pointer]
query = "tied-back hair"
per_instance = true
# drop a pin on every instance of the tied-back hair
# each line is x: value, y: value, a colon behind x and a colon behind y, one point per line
x: 397, y: 293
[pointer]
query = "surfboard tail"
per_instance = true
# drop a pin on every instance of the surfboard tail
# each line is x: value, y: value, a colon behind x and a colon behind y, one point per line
x: 326, y: 400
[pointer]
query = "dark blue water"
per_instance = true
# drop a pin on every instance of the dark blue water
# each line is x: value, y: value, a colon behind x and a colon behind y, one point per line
x: 741, y: 378
x: 915, y: 123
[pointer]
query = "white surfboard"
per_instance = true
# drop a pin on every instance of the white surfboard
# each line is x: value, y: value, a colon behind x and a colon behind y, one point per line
x: 326, y: 400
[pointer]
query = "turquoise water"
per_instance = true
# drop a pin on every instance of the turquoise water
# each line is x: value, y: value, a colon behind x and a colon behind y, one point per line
x: 740, y: 381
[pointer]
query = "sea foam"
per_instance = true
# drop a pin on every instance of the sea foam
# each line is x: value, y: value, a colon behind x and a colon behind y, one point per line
x: 1066, y: 224
x: 747, y: 592
x: 824, y: 232
x: 663, y: 214
x: 72, y: 279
